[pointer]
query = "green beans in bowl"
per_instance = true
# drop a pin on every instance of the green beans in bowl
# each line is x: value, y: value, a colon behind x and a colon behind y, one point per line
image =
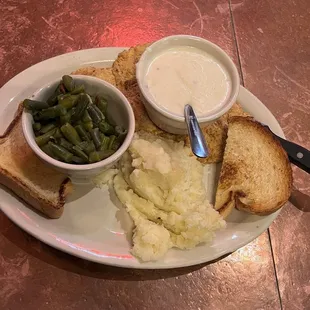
x: 78, y: 124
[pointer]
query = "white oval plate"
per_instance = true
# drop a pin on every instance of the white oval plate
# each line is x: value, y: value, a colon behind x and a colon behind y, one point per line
x: 94, y: 225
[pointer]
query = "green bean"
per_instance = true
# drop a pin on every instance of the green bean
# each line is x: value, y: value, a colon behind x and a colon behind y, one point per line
x: 46, y: 149
x: 99, y: 155
x: 95, y: 135
x: 115, y: 145
x: 43, y: 139
x: 53, y: 99
x: 68, y: 102
x: 60, y: 152
x: 72, y: 126
x: 121, y: 133
x: 53, y: 139
x: 87, y: 147
x: 77, y: 151
x: 106, y: 128
x: 83, y: 144
x: 112, y: 139
x: 93, y: 98
x: 82, y: 132
x: 105, y: 154
x: 58, y: 134
x: 94, y: 157
x: 90, y: 148
x: 79, y: 122
x: 77, y: 160
x: 82, y: 103
x: 95, y: 114
x: 78, y: 90
x: 88, y: 126
x: 66, y: 118
x: 86, y: 118
x: 51, y: 113
x: 63, y: 96
x: 70, y: 134
x: 99, y: 112
x: 47, y: 128
x: 36, y: 126
x: 35, y: 105
x: 102, y: 104
x: 104, y: 142
x: 68, y: 82
x: 65, y: 143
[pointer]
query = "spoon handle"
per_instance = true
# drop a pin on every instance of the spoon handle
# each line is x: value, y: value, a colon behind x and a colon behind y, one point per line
x: 197, y: 140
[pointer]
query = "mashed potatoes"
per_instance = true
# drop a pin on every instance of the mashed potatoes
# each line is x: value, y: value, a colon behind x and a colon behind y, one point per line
x: 162, y: 187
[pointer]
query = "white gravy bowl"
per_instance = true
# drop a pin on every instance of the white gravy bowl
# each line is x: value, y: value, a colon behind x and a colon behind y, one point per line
x: 183, y: 69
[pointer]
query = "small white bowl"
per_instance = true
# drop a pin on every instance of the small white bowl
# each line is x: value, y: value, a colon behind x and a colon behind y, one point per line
x: 119, y: 110
x: 164, y: 119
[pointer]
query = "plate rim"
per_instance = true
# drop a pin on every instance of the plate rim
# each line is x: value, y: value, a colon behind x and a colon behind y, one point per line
x: 67, y: 249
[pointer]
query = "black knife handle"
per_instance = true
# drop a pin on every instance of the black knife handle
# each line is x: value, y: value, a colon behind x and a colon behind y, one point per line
x: 297, y: 154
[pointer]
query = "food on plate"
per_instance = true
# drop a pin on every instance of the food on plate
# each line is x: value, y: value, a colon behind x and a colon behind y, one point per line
x: 73, y: 126
x: 158, y: 180
x: 256, y: 176
x: 124, y: 67
x: 124, y: 71
x: 105, y: 74
x: 162, y: 187
x: 27, y: 176
x: 187, y: 75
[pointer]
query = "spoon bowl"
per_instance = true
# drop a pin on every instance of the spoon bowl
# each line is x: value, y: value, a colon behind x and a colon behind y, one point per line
x: 196, y: 137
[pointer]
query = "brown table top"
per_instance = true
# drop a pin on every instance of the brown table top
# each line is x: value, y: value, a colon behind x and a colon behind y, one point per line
x: 269, y: 41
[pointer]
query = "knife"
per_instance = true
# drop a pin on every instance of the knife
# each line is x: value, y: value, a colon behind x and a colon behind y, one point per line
x: 297, y: 154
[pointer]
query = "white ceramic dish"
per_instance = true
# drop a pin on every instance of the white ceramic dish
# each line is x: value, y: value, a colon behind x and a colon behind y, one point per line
x: 163, y: 118
x: 94, y: 225
x: 119, y: 110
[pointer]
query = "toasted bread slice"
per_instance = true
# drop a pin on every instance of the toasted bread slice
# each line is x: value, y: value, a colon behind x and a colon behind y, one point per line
x: 27, y: 176
x: 256, y: 175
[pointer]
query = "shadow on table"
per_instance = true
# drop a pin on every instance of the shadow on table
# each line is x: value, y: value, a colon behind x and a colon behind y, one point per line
x: 300, y: 200
x: 73, y: 264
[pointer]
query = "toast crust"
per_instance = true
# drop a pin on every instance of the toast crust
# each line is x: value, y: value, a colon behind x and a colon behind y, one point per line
x: 257, y: 178
x: 11, y: 179
x: 17, y: 116
x: 41, y: 204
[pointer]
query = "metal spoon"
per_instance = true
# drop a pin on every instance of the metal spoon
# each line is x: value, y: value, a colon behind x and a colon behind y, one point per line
x: 198, y: 142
